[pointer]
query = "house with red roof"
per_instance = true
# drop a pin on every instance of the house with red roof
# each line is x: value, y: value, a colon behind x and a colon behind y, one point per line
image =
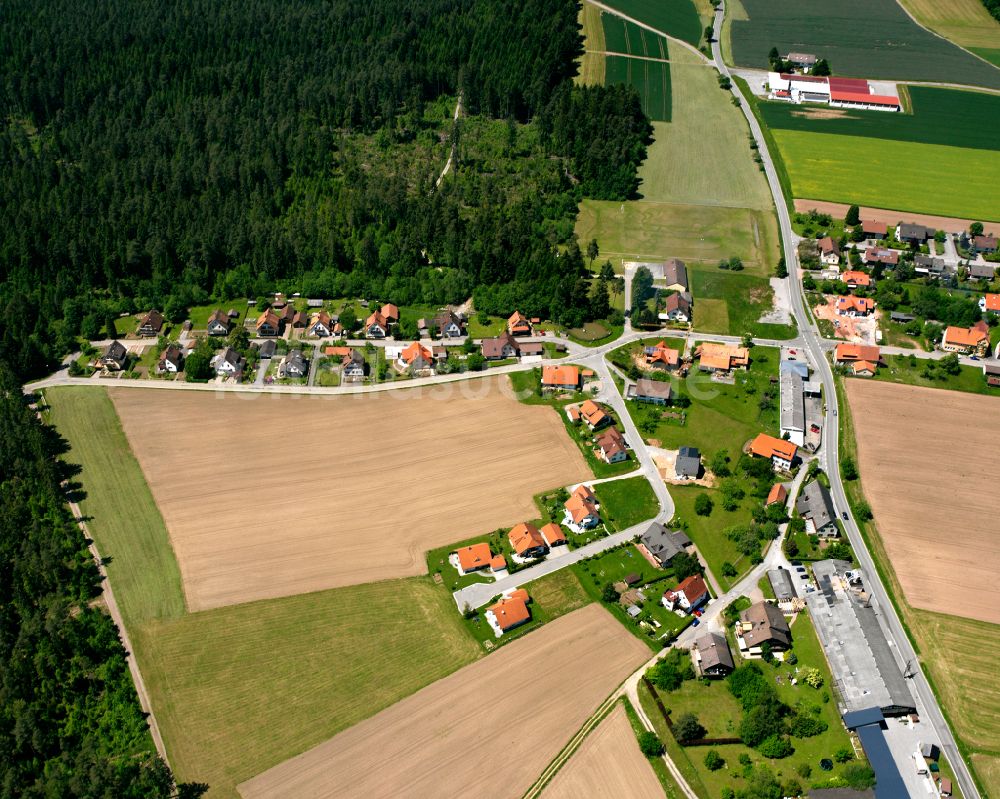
x: 781, y: 453
x: 690, y: 594
x: 581, y: 510
x: 854, y: 306
x: 510, y: 612
x: 527, y: 542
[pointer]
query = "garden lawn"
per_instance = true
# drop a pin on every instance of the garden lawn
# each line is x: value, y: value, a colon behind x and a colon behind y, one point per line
x: 860, y: 38
x: 625, y: 503
x: 923, y: 178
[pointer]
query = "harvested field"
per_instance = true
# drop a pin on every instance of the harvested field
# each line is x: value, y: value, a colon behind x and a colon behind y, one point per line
x: 608, y: 763
x: 889, y: 217
x: 284, y: 495
x: 434, y: 742
x: 922, y: 486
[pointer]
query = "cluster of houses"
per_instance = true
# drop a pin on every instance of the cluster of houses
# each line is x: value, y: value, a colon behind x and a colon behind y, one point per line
x: 609, y: 444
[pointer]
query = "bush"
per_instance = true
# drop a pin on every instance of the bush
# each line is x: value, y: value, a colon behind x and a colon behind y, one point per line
x: 650, y: 745
x: 610, y: 593
x: 863, y: 511
x: 703, y: 505
x: 775, y: 747
x: 713, y: 760
x: 671, y: 670
x: 858, y: 776
x: 804, y: 770
x: 728, y: 569
x: 806, y: 726
x: 687, y: 728
x: 848, y: 468
x: 844, y: 754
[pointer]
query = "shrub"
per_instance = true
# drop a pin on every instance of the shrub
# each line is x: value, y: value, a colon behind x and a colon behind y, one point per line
x: 813, y: 678
x: 844, y: 754
x: 806, y: 726
x: 703, y: 505
x: 776, y: 746
x: 728, y: 569
x: 713, y: 760
x: 804, y: 770
x: 745, y: 759
x: 858, y: 776
x: 650, y: 745
x: 687, y: 728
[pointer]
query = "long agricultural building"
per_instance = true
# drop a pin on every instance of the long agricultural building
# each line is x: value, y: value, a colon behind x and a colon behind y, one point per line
x: 836, y: 92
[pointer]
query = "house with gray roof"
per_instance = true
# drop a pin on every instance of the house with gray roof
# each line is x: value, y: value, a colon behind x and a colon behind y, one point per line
x: 656, y: 392
x: 714, y: 657
x: 688, y: 463
x: 762, y: 623
x: 115, y: 357
x: 913, y: 234
x: 815, y: 505
x: 982, y: 271
x: 675, y: 275
x: 782, y: 585
x: 664, y: 545
x: 792, y: 408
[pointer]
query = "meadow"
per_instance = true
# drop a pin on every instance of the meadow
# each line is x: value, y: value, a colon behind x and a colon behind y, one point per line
x: 732, y: 302
x: 651, y: 80
x: 591, y: 68
x: 965, y: 22
x: 908, y: 176
x: 860, y: 38
x: 934, y: 118
x: 677, y: 18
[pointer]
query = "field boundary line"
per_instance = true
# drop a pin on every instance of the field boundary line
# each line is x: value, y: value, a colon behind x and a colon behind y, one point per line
x: 632, y: 55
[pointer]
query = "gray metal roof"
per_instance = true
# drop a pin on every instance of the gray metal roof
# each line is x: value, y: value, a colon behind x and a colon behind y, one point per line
x: 781, y: 584
x: 662, y: 543
x: 794, y: 366
x: 814, y: 502
x: 888, y: 781
x: 714, y: 651
x: 793, y: 409
x: 688, y: 461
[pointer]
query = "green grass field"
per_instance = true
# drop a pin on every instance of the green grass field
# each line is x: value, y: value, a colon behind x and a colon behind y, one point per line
x: 992, y: 55
x: 923, y: 178
x: 860, y: 38
x: 935, y: 113
x: 239, y: 689
x: 707, y: 531
x: 626, y: 502
x: 677, y: 18
x: 651, y: 79
x: 732, y: 302
x: 965, y: 22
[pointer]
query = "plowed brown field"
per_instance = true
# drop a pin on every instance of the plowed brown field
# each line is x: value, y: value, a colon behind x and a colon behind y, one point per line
x: 485, y: 731
x: 270, y: 496
x: 608, y: 763
x: 927, y: 459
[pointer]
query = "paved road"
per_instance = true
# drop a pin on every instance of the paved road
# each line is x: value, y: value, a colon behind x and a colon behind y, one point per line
x: 829, y: 453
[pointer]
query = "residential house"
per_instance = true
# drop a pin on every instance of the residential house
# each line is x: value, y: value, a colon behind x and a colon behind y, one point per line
x: 762, y: 623
x: 171, y: 360
x: 871, y: 229
x: 854, y: 306
x: 986, y: 245
x: 977, y: 271
x: 320, y: 325
x: 656, y: 392
x: 518, y: 324
x: 781, y: 584
x: 781, y: 453
x: 593, y: 416
x: 561, y: 377
x: 855, y: 279
x: 218, y: 323
x: 265, y: 349
x: 376, y: 326
x: 268, y: 324
x: 689, y: 594
x: 446, y: 324
x: 990, y: 303
x: 527, y: 541
x: 301, y: 320
x: 713, y: 655
x: 508, y: 613
x: 353, y: 366
x: 663, y: 545
x: 115, y: 357
x: 847, y: 353
x: 610, y: 446
x: 929, y: 265
x: 991, y: 372
x: 662, y: 357
x: 415, y: 358
x: 778, y: 495
x: 966, y: 340
x: 294, y: 364
x: 150, y: 324
x: 913, y: 234
x: 390, y: 313
x: 474, y: 557
x: 581, y: 510
x: 803, y: 61
x: 675, y: 275
x: 880, y: 255
x: 722, y: 358
x: 815, y: 505
x: 677, y: 307
x: 228, y: 363
x: 528, y: 349
x: 500, y: 348
x: 553, y: 535
x: 829, y: 252
x: 287, y: 314
x: 687, y: 465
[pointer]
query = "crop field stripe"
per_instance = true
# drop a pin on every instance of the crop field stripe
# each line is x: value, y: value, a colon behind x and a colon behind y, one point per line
x: 936, y: 119
x: 677, y: 18
x: 923, y: 178
x: 860, y: 38
x: 615, y: 38
x: 650, y: 78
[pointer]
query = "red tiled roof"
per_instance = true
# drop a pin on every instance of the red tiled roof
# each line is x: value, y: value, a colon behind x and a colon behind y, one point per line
x: 856, y: 352
x: 858, y: 97
x: 768, y: 446
x: 560, y: 376
x: 778, y: 493
x: 475, y: 556
x: 510, y: 612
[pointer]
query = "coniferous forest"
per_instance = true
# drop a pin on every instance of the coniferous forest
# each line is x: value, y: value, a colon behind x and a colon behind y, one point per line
x: 169, y: 154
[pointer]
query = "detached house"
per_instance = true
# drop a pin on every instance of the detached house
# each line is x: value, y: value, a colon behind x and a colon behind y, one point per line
x: 984, y: 244
x: 473, y: 558
x: 553, y: 535
x: 713, y: 655
x: 170, y: 360
x: 973, y: 340
x: 862, y: 359
x: 913, y: 234
x: 662, y: 357
x: 376, y: 326
x: 319, y: 325
x: 518, y: 324
x: 781, y: 453
x: 593, y: 416
x: 815, y: 505
x: 268, y: 324
x: 722, y: 358
x: 416, y: 358
x: 610, y: 446
x: 687, y: 465
x: 762, y: 623
x: 675, y: 275
x: 446, y: 325
x: 150, y: 324
x: 293, y: 364
x: 871, y: 229
x: 500, y: 348
x: 677, y: 307
x: 390, y: 313
x: 854, y: 306
x: 509, y: 612
x: 829, y: 252
x: 526, y: 541
x: 561, y: 377
x: 115, y: 357
x: 353, y: 365
x: 778, y: 495
x: 228, y: 362
x: 990, y: 303
x: 663, y: 545
x: 218, y: 323
x: 855, y: 279
x: 690, y: 594
x: 656, y: 392
x: 581, y: 510
x: 879, y: 255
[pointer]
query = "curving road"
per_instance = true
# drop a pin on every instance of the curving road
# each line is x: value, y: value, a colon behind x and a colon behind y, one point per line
x: 814, y: 345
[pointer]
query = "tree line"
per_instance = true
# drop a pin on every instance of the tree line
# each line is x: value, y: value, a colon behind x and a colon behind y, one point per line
x: 70, y: 721
x: 161, y: 155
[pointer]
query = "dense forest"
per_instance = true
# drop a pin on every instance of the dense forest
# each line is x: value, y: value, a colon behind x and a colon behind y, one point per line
x: 165, y: 154
x: 70, y: 722
x: 993, y: 6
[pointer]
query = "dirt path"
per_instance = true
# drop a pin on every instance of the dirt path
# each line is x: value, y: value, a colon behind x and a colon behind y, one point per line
x: 451, y: 154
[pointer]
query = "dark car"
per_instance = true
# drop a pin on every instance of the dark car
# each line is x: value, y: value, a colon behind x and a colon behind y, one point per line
x: 844, y: 514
